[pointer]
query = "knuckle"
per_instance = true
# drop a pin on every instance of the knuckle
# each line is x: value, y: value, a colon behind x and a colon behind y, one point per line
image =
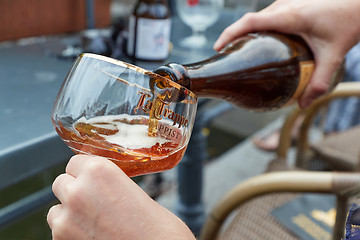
x: 95, y: 166
x: 59, y: 229
x: 98, y: 165
x: 291, y: 16
x: 57, y: 182
x: 58, y: 225
x: 59, y: 185
x: 249, y: 17
x: 318, y: 88
x: 50, y: 217
x: 228, y: 32
x: 73, y: 195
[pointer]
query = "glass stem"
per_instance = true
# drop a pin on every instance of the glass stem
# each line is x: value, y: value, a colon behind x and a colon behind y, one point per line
x: 198, y: 33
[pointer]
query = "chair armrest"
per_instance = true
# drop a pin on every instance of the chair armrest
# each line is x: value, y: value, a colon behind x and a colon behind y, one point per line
x: 343, y: 90
x: 290, y: 181
x: 285, y: 139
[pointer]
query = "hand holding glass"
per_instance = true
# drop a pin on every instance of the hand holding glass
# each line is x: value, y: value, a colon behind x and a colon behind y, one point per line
x: 135, y: 118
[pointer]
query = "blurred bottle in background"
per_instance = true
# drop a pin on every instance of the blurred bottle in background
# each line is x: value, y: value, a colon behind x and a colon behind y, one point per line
x: 149, y: 30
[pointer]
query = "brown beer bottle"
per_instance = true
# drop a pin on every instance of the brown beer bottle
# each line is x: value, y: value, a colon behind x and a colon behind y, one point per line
x: 149, y: 30
x: 259, y: 71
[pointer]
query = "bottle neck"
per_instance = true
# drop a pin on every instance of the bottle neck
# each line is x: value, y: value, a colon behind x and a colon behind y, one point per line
x: 197, y: 76
x: 176, y: 73
x: 152, y: 9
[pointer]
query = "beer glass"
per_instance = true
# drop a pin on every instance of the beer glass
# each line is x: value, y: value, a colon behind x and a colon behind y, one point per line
x: 135, y: 118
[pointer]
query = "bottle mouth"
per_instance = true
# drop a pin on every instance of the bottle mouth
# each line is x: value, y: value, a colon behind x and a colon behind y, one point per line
x: 161, y: 81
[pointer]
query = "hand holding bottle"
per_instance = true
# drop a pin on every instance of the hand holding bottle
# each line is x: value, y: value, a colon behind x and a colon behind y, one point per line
x: 330, y: 28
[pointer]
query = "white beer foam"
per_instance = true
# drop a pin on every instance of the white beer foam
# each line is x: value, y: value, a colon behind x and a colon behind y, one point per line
x: 129, y: 136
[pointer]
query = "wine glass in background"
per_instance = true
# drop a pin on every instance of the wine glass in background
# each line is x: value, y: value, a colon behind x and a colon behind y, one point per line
x: 198, y: 15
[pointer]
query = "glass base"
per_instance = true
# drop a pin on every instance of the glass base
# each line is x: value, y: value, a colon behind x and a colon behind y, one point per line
x: 194, y: 41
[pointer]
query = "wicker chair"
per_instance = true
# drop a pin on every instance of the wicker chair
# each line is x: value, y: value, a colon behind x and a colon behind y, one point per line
x: 341, y: 150
x: 251, y: 202
x: 253, y: 219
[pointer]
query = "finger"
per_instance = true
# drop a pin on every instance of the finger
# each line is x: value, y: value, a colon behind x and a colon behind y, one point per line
x: 61, y: 186
x: 251, y: 22
x: 233, y: 31
x: 54, y: 213
x: 319, y: 83
x: 80, y: 163
x: 63, y: 227
x: 75, y: 164
x: 279, y: 19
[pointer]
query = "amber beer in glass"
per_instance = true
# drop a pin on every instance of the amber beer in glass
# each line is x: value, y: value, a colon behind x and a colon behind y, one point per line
x: 140, y: 121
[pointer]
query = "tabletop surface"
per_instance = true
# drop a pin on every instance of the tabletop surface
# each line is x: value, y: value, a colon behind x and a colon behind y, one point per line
x: 29, y: 84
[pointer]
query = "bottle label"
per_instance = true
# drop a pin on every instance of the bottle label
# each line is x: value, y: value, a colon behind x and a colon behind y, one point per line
x: 306, y: 70
x: 149, y: 38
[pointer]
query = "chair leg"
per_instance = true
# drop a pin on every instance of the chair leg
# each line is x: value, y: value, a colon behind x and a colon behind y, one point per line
x: 341, y: 213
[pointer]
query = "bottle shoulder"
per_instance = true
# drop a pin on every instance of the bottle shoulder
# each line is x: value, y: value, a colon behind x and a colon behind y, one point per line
x: 175, y: 72
x: 269, y: 45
